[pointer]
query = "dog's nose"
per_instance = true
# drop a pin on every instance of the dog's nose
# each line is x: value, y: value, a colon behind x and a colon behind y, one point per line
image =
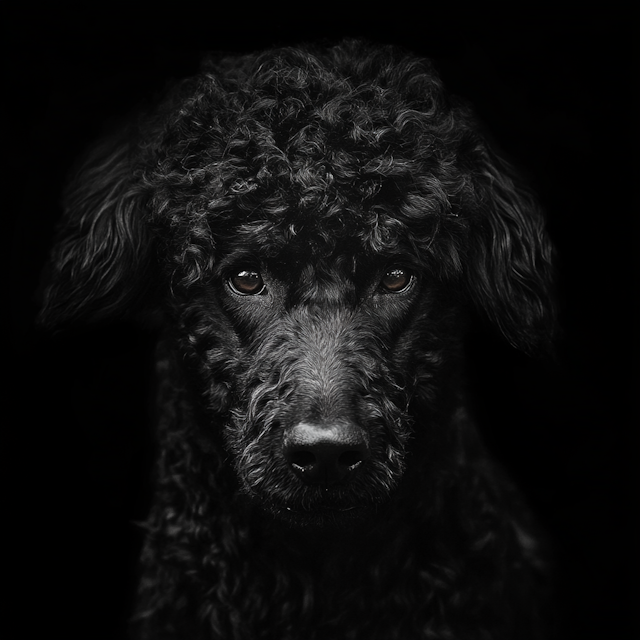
x: 325, y: 454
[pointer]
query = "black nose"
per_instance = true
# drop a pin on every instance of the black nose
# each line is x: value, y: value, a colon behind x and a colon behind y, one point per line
x: 325, y: 454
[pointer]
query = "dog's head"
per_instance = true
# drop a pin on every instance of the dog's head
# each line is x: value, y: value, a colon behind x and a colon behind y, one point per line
x: 313, y: 226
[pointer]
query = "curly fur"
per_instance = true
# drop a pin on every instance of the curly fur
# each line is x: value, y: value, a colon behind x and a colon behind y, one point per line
x: 321, y: 169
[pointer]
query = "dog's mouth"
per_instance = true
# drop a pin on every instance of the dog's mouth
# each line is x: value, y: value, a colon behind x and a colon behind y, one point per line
x: 323, y: 518
x: 322, y: 513
x: 322, y: 509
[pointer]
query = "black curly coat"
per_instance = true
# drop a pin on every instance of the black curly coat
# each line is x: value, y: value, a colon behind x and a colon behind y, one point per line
x: 316, y: 227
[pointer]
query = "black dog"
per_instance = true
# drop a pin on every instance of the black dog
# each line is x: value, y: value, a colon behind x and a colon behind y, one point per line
x: 316, y: 228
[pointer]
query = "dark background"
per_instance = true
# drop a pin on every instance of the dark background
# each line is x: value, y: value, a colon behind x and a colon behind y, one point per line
x: 555, y: 87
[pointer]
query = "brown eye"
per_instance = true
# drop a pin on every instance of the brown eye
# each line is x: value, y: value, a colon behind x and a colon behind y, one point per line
x: 246, y: 283
x: 396, y: 280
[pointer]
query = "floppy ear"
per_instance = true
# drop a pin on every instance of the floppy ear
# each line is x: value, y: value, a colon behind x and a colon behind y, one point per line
x: 510, y: 262
x: 101, y: 252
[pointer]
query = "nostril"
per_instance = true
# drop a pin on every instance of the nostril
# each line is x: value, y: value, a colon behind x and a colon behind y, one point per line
x: 350, y: 459
x: 301, y: 459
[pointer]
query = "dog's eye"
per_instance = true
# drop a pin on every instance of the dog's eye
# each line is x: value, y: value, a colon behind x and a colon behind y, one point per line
x: 247, y: 283
x: 396, y: 279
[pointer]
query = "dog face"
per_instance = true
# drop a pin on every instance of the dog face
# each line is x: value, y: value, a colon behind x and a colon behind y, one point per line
x: 314, y: 227
x: 314, y: 361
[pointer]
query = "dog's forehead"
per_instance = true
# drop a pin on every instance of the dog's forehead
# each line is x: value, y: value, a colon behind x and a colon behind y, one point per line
x: 343, y: 239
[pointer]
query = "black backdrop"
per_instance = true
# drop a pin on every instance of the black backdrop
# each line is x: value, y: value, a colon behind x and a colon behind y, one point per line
x: 557, y: 90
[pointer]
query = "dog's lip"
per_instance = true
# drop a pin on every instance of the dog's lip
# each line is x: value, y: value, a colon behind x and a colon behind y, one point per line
x: 322, y: 509
x: 309, y: 509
